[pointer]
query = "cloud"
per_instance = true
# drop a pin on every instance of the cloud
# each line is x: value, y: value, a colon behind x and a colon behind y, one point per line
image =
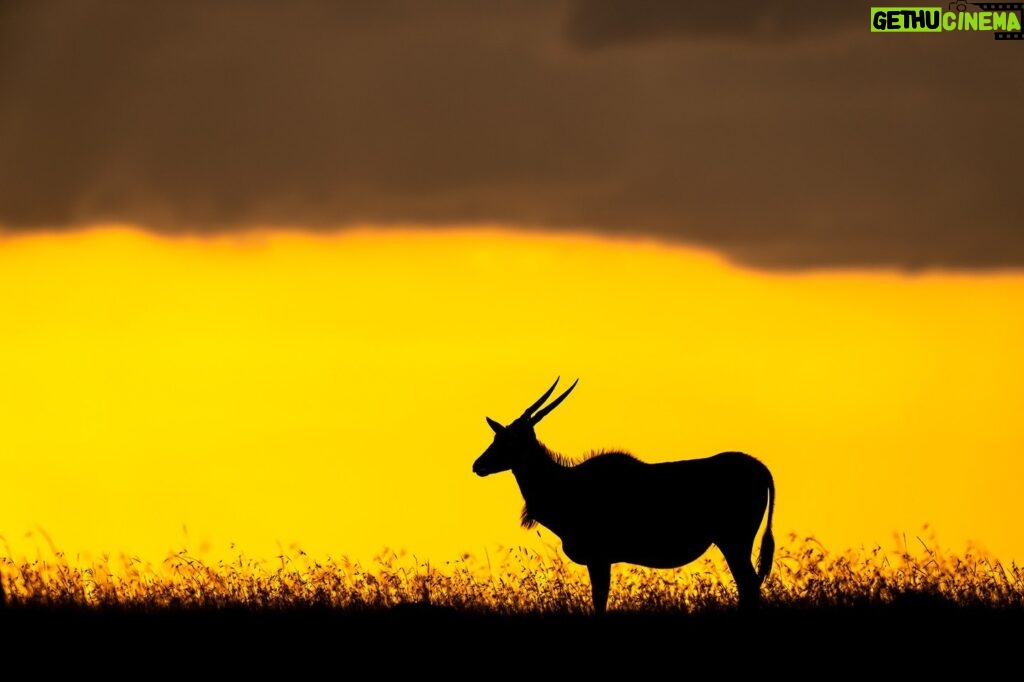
x: 841, y: 148
x: 606, y: 23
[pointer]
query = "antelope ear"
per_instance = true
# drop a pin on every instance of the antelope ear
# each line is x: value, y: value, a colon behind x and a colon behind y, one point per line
x: 495, y: 426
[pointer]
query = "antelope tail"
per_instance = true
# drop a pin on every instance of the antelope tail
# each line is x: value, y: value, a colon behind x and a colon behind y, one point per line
x: 765, y: 556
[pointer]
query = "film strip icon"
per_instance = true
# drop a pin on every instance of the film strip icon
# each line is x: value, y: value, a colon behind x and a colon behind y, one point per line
x: 999, y: 7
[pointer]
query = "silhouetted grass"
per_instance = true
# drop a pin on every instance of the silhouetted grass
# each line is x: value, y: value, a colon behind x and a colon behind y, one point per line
x: 817, y: 604
x: 521, y: 581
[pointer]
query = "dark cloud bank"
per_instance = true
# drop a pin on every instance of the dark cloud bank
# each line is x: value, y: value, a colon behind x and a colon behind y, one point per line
x: 782, y: 134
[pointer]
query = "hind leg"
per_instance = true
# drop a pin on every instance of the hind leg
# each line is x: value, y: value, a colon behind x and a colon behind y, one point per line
x: 600, y: 582
x: 737, y: 555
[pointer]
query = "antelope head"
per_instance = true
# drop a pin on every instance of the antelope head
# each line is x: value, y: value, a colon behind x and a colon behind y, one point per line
x: 513, y: 442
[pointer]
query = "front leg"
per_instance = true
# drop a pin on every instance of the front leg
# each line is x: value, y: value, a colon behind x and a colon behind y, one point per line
x: 600, y: 582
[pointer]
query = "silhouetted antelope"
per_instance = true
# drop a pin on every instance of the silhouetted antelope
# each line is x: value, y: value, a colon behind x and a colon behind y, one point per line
x: 611, y: 507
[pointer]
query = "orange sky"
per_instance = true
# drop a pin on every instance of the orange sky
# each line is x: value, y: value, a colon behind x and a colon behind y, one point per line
x: 330, y: 391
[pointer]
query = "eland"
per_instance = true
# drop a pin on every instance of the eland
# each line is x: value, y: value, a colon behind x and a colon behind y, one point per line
x: 612, y: 507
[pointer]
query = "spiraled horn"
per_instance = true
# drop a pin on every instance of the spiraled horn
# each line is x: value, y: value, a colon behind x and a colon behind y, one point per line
x: 554, y: 403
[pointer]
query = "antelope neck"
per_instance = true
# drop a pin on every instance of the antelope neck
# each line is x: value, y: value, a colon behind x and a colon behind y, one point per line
x: 536, y: 472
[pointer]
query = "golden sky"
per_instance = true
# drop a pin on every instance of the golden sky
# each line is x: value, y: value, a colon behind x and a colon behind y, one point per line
x: 260, y: 391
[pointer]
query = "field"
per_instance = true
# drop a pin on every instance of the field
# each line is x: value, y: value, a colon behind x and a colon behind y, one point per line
x: 914, y: 610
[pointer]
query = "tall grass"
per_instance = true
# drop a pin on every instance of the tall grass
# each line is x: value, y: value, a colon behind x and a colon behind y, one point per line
x: 519, y: 580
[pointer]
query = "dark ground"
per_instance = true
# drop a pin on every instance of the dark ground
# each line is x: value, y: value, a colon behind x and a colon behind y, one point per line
x: 916, y: 639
